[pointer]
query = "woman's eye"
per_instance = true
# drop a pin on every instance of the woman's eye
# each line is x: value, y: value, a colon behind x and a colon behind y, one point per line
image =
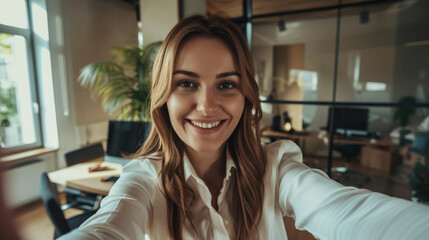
x: 227, y: 85
x: 186, y: 84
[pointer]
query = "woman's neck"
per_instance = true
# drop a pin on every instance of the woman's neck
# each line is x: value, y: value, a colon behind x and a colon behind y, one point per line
x: 209, y: 166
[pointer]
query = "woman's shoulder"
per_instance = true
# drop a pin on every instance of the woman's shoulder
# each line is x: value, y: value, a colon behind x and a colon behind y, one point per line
x: 282, y: 153
x: 148, y: 166
x: 282, y: 149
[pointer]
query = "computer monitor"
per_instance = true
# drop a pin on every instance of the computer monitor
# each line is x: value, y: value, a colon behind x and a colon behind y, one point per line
x: 349, y: 121
x: 125, y: 137
x: 421, y: 143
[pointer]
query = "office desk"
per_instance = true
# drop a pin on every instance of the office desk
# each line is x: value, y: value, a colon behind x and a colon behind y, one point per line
x: 78, y: 177
x: 272, y: 133
x: 376, y: 153
x: 320, y: 135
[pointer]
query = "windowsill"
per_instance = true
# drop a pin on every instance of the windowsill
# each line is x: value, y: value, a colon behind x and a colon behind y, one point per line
x: 25, y: 155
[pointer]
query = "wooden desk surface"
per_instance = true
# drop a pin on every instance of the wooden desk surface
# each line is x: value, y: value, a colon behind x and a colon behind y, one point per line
x: 78, y: 176
x: 321, y: 135
x: 91, y: 185
x: 272, y: 133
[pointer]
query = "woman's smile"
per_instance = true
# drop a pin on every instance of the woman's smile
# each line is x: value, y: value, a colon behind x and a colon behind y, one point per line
x: 207, y: 125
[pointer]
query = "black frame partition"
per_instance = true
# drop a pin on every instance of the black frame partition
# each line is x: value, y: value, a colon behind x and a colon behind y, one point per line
x: 246, y: 22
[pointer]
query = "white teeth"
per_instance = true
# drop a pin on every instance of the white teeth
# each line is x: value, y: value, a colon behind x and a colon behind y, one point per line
x: 206, y: 125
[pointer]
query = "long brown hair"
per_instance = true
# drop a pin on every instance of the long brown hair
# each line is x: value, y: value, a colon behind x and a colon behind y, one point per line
x: 244, y: 143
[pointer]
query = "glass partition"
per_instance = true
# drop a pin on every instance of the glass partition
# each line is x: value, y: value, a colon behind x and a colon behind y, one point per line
x: 294, y: 56
x: 383, y: 53
x: 370, y: 65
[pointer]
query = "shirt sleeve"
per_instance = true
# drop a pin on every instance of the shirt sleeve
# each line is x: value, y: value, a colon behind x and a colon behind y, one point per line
x: 330, y: 210
x: 125, y: 212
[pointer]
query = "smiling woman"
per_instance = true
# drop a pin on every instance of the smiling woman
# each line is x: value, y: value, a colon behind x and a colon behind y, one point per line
x: 203, y: 173
x: 206, y: 101
x: 210, y: 82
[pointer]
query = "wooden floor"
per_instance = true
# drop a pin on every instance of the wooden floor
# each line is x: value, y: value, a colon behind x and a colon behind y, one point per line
x: 33, y: 223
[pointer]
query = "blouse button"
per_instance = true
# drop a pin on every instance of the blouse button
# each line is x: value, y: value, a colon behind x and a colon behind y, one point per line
x: 227, y: 222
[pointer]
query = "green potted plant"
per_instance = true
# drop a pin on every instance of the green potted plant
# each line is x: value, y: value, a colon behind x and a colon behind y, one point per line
x: 419, y: 183
x: 402, y: 115
x: 124, y: 87
x: 124, y: 83
x: 8, y: 114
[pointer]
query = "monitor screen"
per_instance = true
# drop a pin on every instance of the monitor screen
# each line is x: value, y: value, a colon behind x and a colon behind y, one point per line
x: 126, y: 137
x: 421, y: 143
x: 349, y: 119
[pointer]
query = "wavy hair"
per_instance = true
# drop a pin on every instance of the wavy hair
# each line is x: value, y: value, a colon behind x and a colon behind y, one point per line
x: 244, y: 143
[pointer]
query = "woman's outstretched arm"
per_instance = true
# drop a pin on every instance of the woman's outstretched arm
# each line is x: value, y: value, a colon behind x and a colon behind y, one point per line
x: 329, y: 210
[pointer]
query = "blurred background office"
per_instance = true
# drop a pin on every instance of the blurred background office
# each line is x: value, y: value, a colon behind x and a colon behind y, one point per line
x: 349, y: 79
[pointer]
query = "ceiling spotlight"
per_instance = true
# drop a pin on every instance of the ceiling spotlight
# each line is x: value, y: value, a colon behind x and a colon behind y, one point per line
x: 282, y: 26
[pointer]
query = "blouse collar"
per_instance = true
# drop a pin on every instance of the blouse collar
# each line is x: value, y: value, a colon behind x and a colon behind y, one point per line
x: 190, y: 171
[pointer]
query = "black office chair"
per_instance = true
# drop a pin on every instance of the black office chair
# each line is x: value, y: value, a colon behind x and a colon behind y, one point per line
x: 49, y: 194
x: 81, y: 199
x: 346, y: 119
x: 84, y: 154
x: 344, y: 174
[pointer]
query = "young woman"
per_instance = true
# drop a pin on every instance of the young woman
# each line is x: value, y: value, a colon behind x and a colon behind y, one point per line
x: 203, y: 173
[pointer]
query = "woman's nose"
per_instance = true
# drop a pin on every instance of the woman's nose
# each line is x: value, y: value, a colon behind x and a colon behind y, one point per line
x: 207, y: 103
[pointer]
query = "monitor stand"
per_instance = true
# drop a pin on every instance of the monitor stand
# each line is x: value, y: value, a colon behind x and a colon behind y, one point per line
x: 351, y: 132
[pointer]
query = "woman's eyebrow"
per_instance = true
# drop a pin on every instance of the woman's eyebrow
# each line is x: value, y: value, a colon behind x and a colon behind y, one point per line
x: 227, y: 74
x: 195, y: 75
x: 191, y: 74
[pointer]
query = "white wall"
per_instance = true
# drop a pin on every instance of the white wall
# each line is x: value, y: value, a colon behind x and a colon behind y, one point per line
x: 191, y: 7
x: 158, y: 18
x: 89, y: 30
x: 21, y: 184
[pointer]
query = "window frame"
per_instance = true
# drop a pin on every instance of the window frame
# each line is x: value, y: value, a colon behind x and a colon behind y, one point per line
x: 28, y: 35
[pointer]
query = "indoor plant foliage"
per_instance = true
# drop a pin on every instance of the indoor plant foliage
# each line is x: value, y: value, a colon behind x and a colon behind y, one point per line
x: 403, y: 114
x: 8, y: 108
x: 419, y: 182
x: 124, y: 83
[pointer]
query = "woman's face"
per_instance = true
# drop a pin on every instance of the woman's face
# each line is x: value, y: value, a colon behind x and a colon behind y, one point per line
x: 206, y: 101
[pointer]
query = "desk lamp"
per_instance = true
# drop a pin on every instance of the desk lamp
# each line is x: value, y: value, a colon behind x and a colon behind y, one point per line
x: 287, y: 123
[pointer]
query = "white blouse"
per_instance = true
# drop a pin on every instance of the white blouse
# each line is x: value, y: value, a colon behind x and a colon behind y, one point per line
x: 136, y: 208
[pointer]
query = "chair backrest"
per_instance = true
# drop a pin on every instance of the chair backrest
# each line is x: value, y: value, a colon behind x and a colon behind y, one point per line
x: 84, y: 154
x: 49, y: 194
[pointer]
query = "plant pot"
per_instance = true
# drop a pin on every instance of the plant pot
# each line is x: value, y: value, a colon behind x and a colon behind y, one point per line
x: 10, y: 136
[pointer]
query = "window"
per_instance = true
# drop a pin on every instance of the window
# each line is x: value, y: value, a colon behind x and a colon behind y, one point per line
x: 19, y: 108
